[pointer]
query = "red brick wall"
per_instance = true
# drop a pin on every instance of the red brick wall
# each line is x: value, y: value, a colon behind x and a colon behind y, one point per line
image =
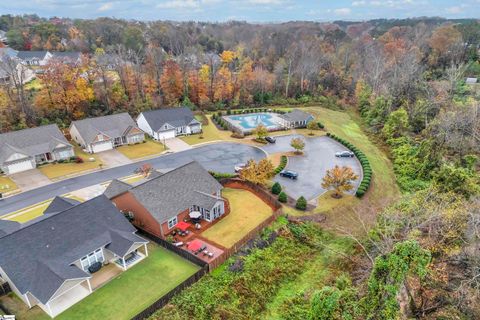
x: 143, y: 219
x: 180, y: 217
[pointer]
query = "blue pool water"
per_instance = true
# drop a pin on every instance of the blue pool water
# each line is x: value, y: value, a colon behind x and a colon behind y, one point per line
x: 251, y: 121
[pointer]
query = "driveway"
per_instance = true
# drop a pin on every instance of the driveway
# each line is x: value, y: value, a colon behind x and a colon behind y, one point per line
x: 113, y: 158
x: 319, y: 156
x: 31, y: 179
x: 220, y: 157
x: 177, y: 145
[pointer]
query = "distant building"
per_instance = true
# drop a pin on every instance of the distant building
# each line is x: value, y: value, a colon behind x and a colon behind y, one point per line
x: 3, y: 37
x: 471, y: 81
x: 34, y: 58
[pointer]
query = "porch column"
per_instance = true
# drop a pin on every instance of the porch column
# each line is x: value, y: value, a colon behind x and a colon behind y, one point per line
x: 89, y: 285
x: 28, y: 300
x: 146, y: 250
x: 124, y: 265
x: 49, y: 309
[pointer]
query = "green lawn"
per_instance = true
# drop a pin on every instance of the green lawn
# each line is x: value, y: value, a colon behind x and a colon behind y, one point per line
x: 58, y: 170
x: 134, y: 290
x: 142, y: 150
x: 210, y: 133
x: 7, y: 184
x: 247, y: 212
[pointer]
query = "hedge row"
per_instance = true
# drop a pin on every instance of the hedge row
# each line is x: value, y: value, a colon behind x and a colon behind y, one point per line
x: 217, y: 118
x: 282, y: 165
x: 367, y: 169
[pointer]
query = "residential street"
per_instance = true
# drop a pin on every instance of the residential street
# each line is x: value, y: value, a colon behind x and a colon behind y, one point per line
x: 220, y: 157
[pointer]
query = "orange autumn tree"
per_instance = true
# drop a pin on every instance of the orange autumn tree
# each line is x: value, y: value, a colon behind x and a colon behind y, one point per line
x: 340, y: 180
x: 66, y: 88
x: 198, y: 89
x: 171, y: 82
x: 223, y: 88
x: 258, y: 172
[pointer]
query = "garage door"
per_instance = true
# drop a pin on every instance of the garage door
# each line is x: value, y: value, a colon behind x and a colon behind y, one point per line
x: 166, y: 135
x: 20, y: 166
x: 104, y: 146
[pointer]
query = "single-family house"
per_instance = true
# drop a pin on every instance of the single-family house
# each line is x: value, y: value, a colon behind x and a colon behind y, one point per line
x: 23, y: 149
x: 68, y: 57
x: 158, y: 204
x: 34, y: 58
x: 105, y: 133
x: 295, y: 119
x: 168, y: 123
x: 51, y: 261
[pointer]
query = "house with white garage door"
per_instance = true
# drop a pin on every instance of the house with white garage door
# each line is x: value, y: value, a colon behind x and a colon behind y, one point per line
x: 23, y: 149
x: 168, y: 123
x: 105, y: 133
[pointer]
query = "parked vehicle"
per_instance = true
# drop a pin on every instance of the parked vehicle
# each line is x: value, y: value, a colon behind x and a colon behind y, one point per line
x: 344, y: 154
x: 239, y: 167
x: 271, y: 139
x: 289, y: 174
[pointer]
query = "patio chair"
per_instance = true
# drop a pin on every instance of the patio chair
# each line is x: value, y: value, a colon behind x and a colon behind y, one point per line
x: 210, y: 254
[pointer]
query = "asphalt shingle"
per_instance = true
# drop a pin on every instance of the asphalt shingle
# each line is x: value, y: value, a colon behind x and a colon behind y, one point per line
x: 176, y: 117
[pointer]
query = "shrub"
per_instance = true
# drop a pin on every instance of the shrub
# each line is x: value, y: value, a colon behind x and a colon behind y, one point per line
x: 301, y: 203
x: 282, y: 165
x: 229, y: 112
x: 276, y: 188
x: 78, y: 160
x: 282, y: 197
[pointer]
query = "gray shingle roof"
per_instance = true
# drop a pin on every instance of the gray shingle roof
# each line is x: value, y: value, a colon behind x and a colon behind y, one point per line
x: 176, y: 117
x: 115, y: 188
x: 296, y: 115
x: 60, y: 204
x: 29, y: 55
x: 67, y: 56
x: 31, y: 141
x: 7, y: 226
x: 38, y: 257
x: 115, y: 125
x: 177, y: 190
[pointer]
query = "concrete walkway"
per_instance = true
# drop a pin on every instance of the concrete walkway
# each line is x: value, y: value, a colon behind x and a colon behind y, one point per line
x: 176, y: 145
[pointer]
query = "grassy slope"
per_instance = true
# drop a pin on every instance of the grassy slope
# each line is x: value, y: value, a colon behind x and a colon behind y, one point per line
x: 141, y: 150
x: 247, y: 212
x: 341, y: 214
x: 135, y: 289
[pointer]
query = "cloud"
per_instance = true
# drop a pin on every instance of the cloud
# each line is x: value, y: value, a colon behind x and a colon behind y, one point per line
x: 359, y: 3
x: 105, y: 7
x: 342, y: 11
x: 179, y: 4
x: 267, y: 2
x: 456, y: 9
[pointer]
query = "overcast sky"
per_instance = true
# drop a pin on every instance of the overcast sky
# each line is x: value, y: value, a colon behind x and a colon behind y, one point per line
x: 249, y: 10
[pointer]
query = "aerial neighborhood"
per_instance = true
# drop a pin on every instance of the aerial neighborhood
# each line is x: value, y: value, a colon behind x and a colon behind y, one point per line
x: 160, y: 169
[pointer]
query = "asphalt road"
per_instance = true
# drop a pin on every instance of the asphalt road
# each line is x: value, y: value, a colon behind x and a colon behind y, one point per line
x: 219, y: 157
x: 319, y: 156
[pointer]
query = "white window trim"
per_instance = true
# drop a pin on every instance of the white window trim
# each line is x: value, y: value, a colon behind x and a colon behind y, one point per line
x: 170, y: 223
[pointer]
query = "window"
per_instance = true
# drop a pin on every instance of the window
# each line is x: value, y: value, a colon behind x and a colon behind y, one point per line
x: 172, y: 222
x: 64, y: 154
x: 91, y: 258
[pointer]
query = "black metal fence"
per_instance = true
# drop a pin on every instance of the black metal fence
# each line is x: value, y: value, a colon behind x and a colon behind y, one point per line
x: 160, y: 303
x: 4, y: 288
x: 167, y: 245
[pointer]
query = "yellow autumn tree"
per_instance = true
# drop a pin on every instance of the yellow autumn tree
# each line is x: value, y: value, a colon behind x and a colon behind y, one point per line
x: 257, y: 172
x: 339, y: 179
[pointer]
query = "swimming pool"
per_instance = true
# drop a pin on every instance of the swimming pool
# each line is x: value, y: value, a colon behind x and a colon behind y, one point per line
x: 248, y: 122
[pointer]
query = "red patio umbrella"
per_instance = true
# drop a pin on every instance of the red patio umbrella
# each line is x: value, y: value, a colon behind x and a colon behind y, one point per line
x: 182, y: 225
x: 195, y: 245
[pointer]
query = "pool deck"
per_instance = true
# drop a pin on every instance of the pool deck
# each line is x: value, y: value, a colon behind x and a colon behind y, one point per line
x: 246, y: 123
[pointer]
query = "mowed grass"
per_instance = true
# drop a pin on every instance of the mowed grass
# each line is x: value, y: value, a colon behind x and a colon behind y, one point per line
x: 31, y: 212
x: 58, y: 170
x: 141, y: 150
x: 247, y: 212
x: 134, y: 290
x: 7, y: 184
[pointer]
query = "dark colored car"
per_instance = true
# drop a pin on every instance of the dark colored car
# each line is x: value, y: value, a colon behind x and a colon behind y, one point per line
x: 270, y: 139
x: 289, y: 174
x: 345, y: 154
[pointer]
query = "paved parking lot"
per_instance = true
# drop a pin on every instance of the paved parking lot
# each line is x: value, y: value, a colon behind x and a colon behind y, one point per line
x: 319, y: 156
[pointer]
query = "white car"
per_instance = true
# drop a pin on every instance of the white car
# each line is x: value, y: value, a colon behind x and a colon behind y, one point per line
x: 239, y: 167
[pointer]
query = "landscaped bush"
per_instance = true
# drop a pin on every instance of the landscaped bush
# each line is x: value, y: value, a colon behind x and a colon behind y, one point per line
x: 321, y: 125
x: 301, y: 203
x: 282, y: 165
x: 276, y: 188
x: 362, y: 158
x: 219, y: 175
x: 282, y: 197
